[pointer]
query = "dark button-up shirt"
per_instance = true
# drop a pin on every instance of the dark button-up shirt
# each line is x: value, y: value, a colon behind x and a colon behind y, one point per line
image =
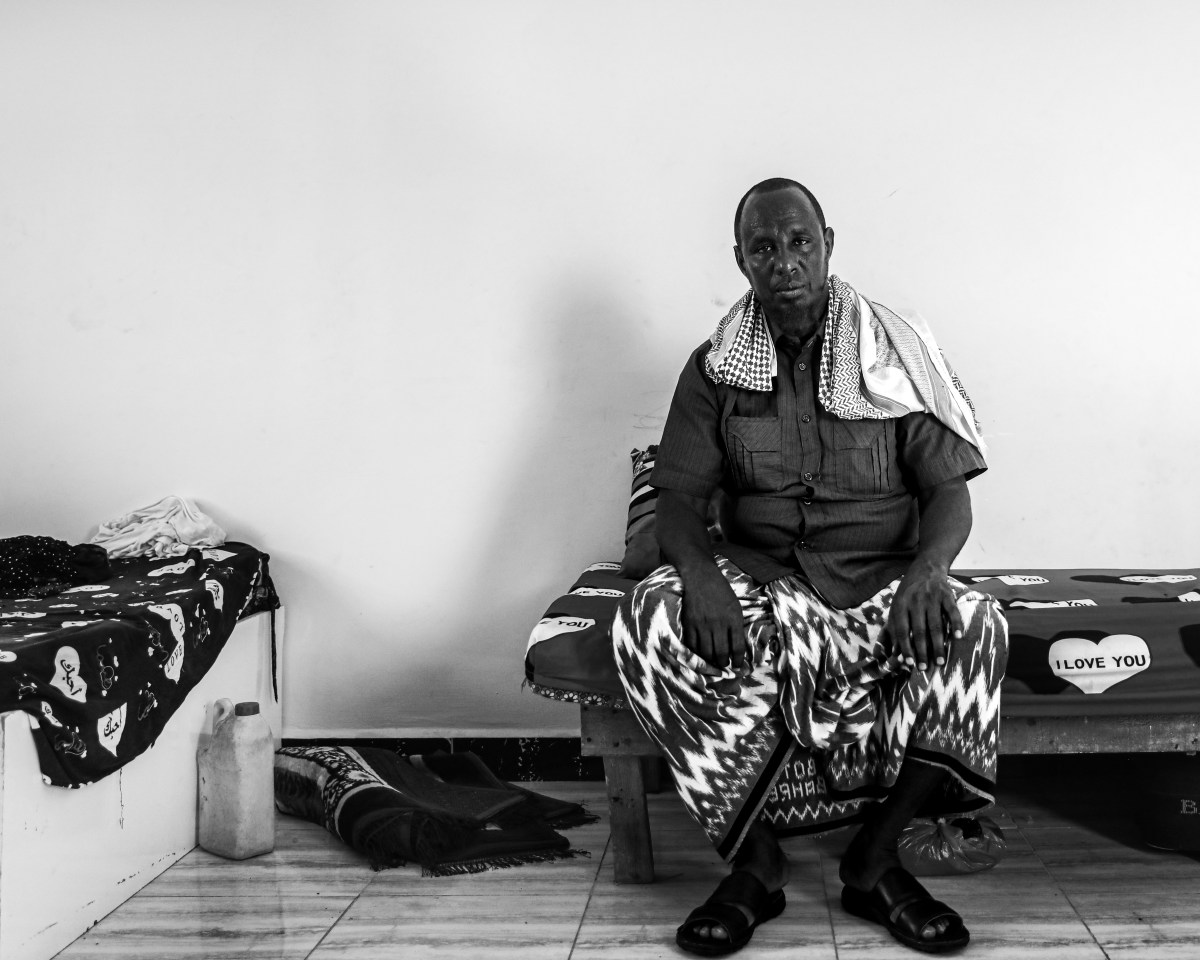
x: 811, y: 493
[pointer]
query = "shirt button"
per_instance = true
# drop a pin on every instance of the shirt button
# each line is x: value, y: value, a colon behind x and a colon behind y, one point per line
x: 801, y: 366
x: 808, y: 476
x: 805, y: 419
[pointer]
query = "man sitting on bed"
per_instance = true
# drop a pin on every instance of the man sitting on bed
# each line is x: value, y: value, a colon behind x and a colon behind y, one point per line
x: 825, y: 634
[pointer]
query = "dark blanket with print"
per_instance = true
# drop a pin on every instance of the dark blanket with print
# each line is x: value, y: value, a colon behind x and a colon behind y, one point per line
x: 33, y: 566
x: 1082, y: 642
x: 101, y: 667
x: 1098, y: 642
x: 444, y: 811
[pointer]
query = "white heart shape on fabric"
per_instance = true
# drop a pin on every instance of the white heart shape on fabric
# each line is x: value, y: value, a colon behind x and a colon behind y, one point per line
x: 1094, y: 667
x: 1013, y: 579
x: 1039, y: 605
x: 174, y: 613
x: 66, y: 674
x: 109, y: 729
x: 172, y: 568
x: 49, y: 714
x: 596, y: 592
x: 174, y: 663
x: 552, y: 626
x: 1165, y: 578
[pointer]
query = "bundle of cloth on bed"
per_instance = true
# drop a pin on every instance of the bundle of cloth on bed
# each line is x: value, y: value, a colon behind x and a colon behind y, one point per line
x: 101, y: 665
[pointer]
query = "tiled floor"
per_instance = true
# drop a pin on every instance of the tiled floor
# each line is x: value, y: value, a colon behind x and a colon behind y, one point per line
x: 1075, y: 883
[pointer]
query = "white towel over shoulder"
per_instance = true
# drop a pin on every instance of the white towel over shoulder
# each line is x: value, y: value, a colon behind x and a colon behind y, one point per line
x: 164, y: 529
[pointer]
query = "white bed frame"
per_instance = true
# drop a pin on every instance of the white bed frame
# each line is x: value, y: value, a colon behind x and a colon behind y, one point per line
x: 69, y: 857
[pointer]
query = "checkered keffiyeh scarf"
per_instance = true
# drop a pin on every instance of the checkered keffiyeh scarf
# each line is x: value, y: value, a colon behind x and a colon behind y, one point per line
x: 899, y: 369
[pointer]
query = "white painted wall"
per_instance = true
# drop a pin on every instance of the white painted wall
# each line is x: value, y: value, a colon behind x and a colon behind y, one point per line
x: 392, y: 287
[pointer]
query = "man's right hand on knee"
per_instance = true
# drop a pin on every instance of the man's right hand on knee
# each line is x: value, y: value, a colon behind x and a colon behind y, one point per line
x: 712, y: 620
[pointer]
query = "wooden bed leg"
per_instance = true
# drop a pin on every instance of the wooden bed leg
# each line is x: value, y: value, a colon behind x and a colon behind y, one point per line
x: 652, y: 774
x: 617, y: 738
x: 633, y: 857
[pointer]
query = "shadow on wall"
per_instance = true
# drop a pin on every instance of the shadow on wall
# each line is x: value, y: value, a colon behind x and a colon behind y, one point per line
x: 563, y: 503
x: 318, y: 613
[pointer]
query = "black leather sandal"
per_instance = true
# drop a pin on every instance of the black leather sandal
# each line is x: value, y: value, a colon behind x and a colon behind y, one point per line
x: 739, y: 889
x: 906, y: 908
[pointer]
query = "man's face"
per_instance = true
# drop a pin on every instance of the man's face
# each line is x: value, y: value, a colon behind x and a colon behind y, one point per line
x: 783, y: 252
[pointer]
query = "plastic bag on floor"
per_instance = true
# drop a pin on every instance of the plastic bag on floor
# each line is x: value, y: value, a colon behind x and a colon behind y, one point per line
x: 931, y: 848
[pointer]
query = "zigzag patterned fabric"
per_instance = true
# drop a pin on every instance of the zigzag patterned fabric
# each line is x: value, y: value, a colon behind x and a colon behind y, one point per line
x: 840, y: 382
x: 822, y: 719
x: 909, y: 371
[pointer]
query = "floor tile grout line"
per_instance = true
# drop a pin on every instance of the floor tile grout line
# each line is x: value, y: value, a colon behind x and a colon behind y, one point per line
x: 1046, y: 827
x: 828, y: 905
x: 1058, y: 885
x: 340, y: 917
x: 591, y: 889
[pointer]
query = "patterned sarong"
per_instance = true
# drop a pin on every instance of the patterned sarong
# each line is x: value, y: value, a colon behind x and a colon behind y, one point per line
x: 820, y: 719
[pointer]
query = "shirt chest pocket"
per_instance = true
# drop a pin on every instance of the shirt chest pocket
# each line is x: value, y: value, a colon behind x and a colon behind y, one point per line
x: 862, y: 457
x: 755, y: 453
x: 857, y: 434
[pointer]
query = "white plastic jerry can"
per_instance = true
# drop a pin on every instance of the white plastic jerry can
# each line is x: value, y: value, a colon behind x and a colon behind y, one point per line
x: 237, y: 783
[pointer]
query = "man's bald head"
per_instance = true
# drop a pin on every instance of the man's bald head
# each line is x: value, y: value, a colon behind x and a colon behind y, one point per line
x: 769, y: 186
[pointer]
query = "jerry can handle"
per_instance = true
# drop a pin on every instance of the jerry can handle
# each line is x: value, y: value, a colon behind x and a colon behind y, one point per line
x: 222, y: 711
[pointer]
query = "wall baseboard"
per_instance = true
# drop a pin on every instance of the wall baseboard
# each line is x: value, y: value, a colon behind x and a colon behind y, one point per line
x: 510, y: 758
x: 427, y: 733
x: 557, y: 758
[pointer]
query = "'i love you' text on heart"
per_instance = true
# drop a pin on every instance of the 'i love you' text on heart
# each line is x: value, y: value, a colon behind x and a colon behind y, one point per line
x: 549, y: 627
x: 1094, y: 667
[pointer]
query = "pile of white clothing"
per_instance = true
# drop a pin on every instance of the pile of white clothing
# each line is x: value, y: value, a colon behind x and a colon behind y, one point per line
x: 168, y: 528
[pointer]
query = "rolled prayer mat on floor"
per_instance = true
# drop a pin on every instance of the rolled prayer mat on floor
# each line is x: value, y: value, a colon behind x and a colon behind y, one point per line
x: 446, y: 812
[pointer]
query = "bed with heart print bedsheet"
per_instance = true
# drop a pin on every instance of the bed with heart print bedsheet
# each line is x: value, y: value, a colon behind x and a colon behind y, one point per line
x: 1086, y: 642
x: 100, y: 668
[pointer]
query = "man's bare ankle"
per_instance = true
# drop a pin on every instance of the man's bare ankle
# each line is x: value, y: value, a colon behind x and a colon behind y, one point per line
x: 762, y: 856
x: 866, y: 860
